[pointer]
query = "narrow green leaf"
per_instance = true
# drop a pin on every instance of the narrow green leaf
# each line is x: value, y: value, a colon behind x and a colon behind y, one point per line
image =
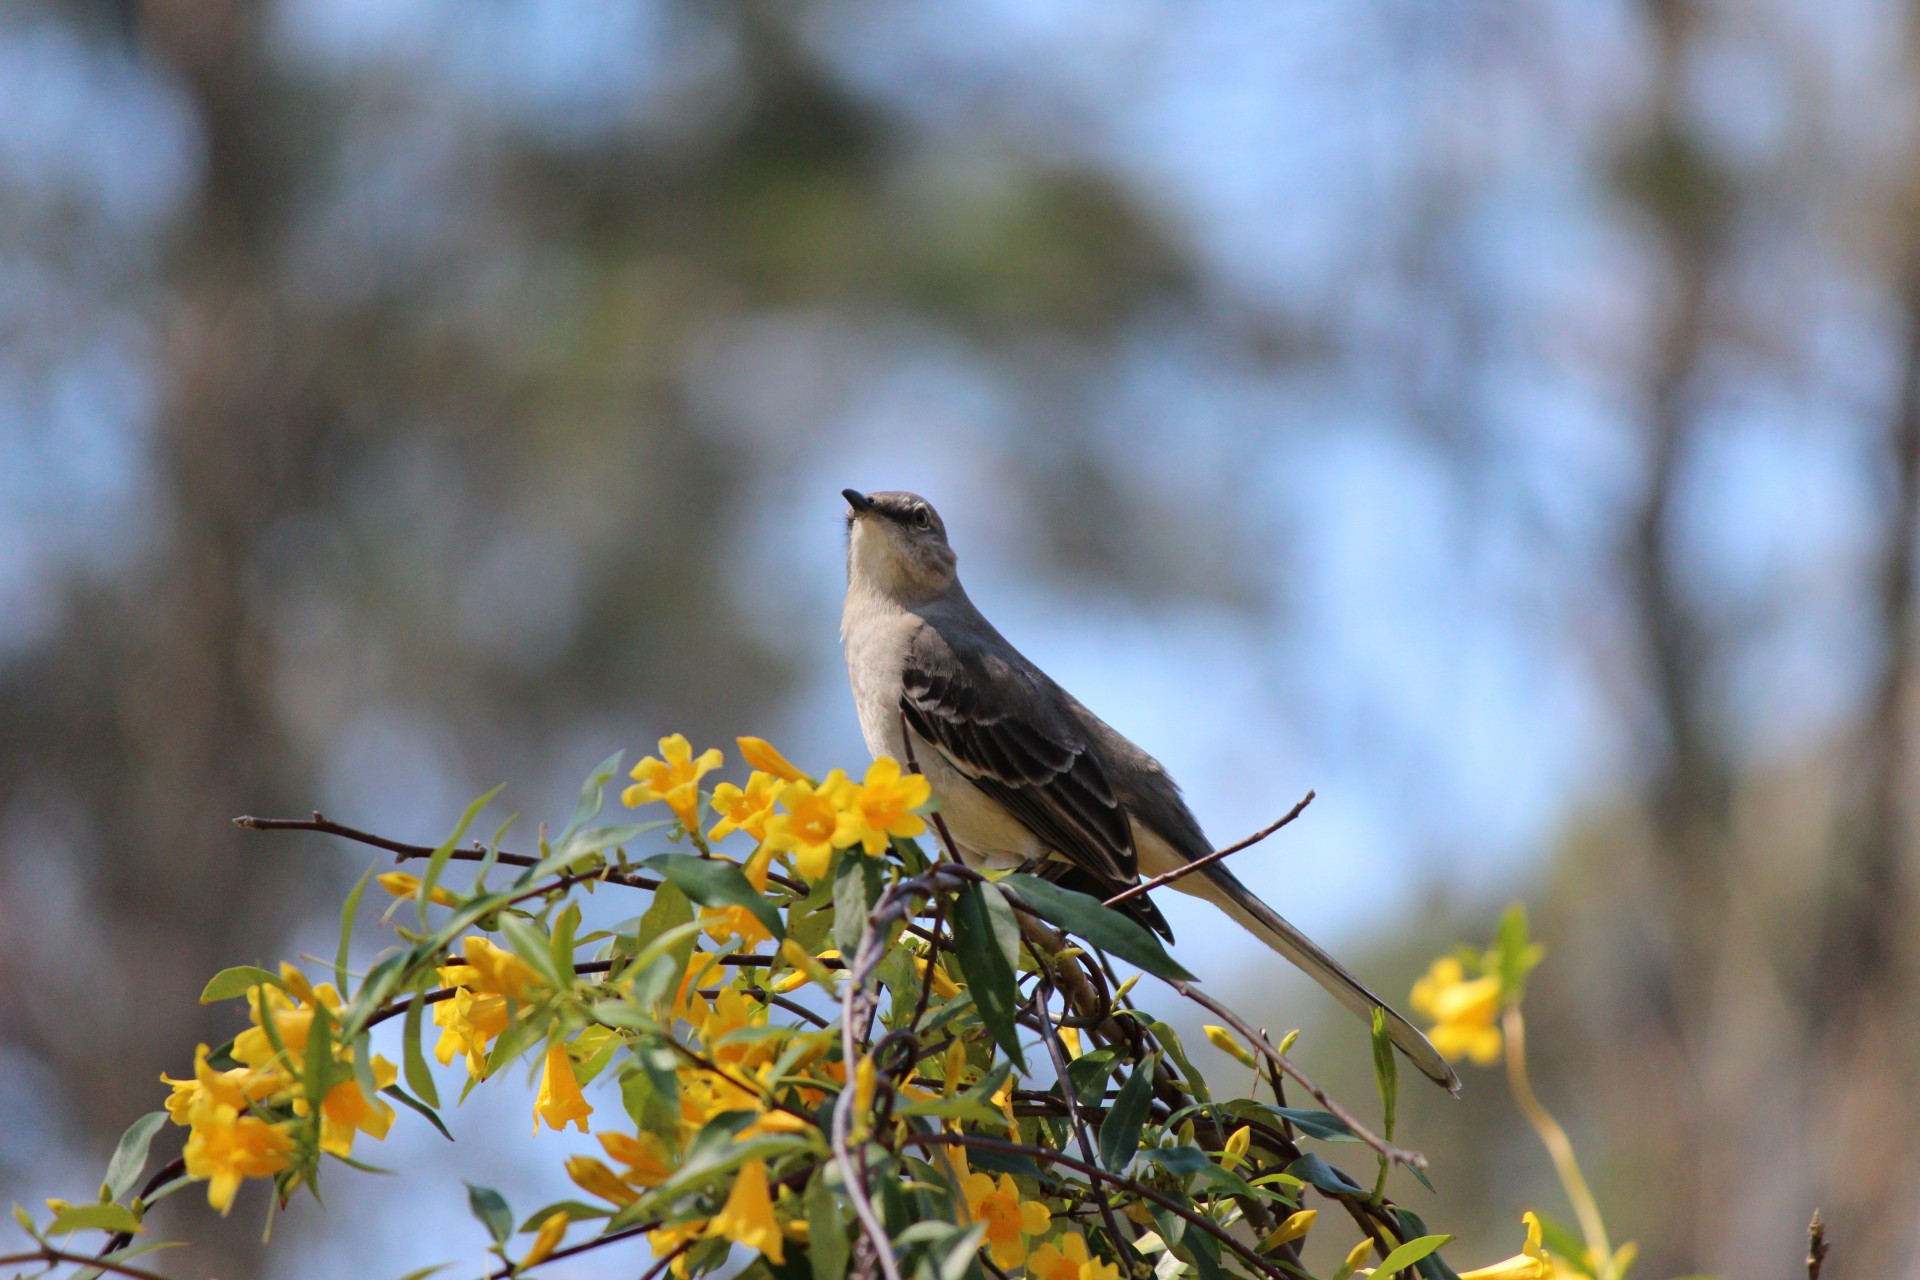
x: 983, y: 962
x: 1312, y: 1169
x: 130, y: 1156
x: 437, y: 861
x: 712, y: 882
x: 490, y: 1207
x: 1409, y: 1253
x: 1104, y: 927
x: 414, y: 1061
x: 959, y: 1255
x: 1431, y: 1267
x: 1120, y: 1132
x: 347, y: 909
x: 412, y: 1103
x: 562, y: 946
x: 576, y: 1211
x: 826, y: 1236
x: 230, y: 984
x: 1323, y: 1125
x: 592, y: 795
x: 536, y: 949
x: 421, y: 1273
x: 94, y: 1217
x: 317, y: 1078
x: 1386, y: 1072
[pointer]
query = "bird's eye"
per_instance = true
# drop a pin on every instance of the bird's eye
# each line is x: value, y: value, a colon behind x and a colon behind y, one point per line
x: 921, y: 519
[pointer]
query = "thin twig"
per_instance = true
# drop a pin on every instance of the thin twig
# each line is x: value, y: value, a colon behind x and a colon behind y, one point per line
x: 53, y: 1257
x: 1168, y: 877
x: 586, y: 1246
x: 1079, y: 1123
x: 161, y: 1177
x: 1817, y: 1246
x: 1399, y: 1155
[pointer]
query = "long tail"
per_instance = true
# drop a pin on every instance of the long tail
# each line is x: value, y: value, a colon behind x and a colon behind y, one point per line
x: 1222, y: 888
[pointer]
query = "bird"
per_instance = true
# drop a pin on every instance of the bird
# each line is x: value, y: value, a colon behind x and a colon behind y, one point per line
x: 1023, y: 774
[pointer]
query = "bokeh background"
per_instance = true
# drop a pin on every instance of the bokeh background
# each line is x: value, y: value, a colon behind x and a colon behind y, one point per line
x: 1501, y: 416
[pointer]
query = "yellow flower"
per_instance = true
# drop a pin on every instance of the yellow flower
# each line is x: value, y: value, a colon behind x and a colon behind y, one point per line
x: 489, y: 971
x: 884, y: 805
x: 1003, y: 1098
x: 1355, y: 1257
x: 235, y: 1087
x: 553, y: 1229
x: 1070, y: 1037
x: 594, y: 1178
x: 760, y: 754
x: 467, y: 1023
x: 1296, y: 1226
x: 1531, y: 1263
x: 560, y: 1101
x: 1068, y: 1260
x: 226, y: 1147
x: 945, y: 987
x: 666, y: 1239
x: 402, y: 885
x: 1223, y: 1040
x: 644, y: 1155
x: 747, y: 1216
x: 722, y: 923
x: 1009, y: 1219
x: 1465, y: 1011
x: 817, y: 821
x: 292, y: 1021
x: 346, y: 1111
x: 747, y: 810
x: 1236, y: 1149
x: 732, y: 1010
x: 674, y: 778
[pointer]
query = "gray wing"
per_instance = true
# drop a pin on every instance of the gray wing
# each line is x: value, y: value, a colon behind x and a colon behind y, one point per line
x: 1011, y: 732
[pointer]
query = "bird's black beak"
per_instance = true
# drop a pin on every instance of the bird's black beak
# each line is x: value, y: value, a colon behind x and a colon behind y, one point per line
x: 857, y: 500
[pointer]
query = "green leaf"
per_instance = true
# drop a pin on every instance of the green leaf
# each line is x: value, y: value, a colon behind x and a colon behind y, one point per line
x: 1104, y: 927
x: 94, y: 1217
x: 712, y: 882
x: 1088, y: 1075
x: 959, y: 1255
x: 127, y: 1254
x: 1312, y: 1169
x: 592, y: 795
x: 347, y: 909
x: 1181, y: 1162
x: 1120, y: 1132
x: 1386, y: 1072
x: 1409, y: 1253
x: 317, y: 1077
x: 826, y: 1236
x: 421, y: 1273
x: 437, y: 861
x: 983, y: 963
x: 230, y: 984
x: 576, y: 1211
x: 130, y: 1157
x: 561, y: 946
x: 412, y: 1103
x: 536, y: 949
x: 1323, y: 1125
x: 1170, y: 1041
x: 1431, y: 1267
x: 1514, y: 956
x: 856, y: 887
x: 981, y: 1160
x: 419, y: 1077
x: 490, y: 1207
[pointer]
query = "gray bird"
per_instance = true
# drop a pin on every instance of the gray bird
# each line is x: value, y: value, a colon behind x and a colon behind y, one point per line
x: 1024, y: 774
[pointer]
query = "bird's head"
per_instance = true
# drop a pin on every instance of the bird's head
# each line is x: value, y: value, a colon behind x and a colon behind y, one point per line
x: 897, y: 546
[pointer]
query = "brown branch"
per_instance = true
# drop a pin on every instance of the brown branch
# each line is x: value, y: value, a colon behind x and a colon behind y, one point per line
x: 1398, y: 1155
x: 1817, y: 1246
x: 53, y: 1257
x: 1098, y: 1182
x: 1168, y: 877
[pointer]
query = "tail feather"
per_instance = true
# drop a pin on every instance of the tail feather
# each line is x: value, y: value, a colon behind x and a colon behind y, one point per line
x: 1223, y: 889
